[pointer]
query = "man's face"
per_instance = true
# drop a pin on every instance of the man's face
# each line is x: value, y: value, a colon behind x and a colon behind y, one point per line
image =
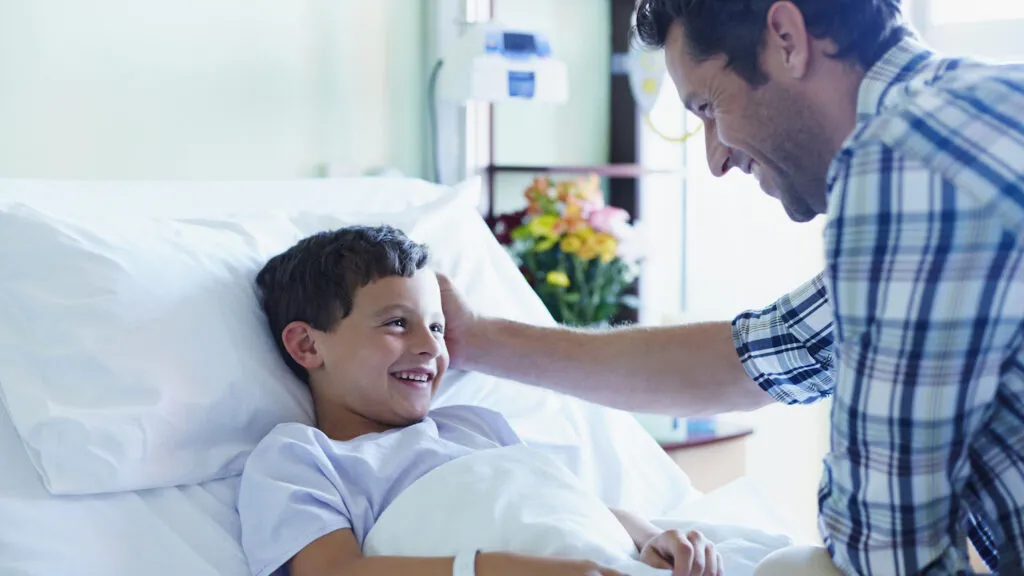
x: 770, y: 131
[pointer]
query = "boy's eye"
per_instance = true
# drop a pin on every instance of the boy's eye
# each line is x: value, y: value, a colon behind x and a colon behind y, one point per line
x: 437, y: 328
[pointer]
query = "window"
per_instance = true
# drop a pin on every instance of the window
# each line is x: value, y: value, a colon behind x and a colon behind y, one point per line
x: 987, y: 29
x: 942, y: 12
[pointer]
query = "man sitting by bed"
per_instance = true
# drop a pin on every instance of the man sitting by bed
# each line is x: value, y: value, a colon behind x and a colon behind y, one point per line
x: 357, y: 315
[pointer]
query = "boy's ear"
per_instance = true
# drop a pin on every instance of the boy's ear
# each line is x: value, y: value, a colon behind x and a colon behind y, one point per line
x: 301, y: 346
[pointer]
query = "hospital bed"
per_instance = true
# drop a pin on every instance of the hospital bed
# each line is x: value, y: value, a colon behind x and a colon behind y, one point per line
x: 136, y: 374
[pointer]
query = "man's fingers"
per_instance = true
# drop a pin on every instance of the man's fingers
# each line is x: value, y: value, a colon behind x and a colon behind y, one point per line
x: 443, y: 281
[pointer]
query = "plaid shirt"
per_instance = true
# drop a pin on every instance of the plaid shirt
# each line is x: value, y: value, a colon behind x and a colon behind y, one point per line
x: 922, y: 345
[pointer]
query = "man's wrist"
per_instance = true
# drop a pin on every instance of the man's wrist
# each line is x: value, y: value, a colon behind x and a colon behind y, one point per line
x: 476, y: 341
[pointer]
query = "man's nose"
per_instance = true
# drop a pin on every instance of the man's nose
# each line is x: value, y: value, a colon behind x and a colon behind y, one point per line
x: 719, y: 155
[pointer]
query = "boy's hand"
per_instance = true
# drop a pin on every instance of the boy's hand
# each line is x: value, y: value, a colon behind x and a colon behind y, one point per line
x: 689, y: 554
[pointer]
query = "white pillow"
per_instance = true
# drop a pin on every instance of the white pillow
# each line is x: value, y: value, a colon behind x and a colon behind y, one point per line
x: 133, y: 353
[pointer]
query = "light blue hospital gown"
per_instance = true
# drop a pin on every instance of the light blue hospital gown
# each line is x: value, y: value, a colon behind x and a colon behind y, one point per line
x: 299, y: 485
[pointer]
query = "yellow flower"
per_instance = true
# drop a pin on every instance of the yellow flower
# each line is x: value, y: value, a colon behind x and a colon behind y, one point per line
x: 587, y: 252
x: 545, y: 244
x: 543, y: 226
x: 606, y: 246
x: 571, y: 244
x: 585, y: 232
x: 558, y: 278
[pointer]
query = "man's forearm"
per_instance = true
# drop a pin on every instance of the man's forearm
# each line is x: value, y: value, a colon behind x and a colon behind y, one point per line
x: 680, y: 370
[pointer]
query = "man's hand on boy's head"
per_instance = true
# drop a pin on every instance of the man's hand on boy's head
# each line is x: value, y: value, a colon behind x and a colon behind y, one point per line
x: 689, y: 554
x: 459, y: 320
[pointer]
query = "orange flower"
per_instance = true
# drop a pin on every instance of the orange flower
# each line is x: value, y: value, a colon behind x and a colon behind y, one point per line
x: 573, y: 216
x: 539, y: 186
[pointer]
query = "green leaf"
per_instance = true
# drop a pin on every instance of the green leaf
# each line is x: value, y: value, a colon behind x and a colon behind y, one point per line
x: 606, y: 311
x: 520, y: 233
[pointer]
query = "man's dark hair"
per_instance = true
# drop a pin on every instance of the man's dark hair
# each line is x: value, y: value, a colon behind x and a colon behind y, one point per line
x: 316, y: 280
x: 863, y: 30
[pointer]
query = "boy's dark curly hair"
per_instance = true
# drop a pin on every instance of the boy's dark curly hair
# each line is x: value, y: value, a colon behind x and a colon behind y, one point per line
x: 316, y: 280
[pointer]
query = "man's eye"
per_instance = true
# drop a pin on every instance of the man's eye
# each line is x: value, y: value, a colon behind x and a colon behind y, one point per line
x: 703, y: 109
x: 397, y: 322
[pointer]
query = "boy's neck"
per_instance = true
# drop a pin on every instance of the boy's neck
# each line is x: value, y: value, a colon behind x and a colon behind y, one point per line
x: 340, y: 423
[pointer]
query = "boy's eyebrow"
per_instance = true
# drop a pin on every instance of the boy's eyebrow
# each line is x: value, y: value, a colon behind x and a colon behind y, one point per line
x: 391, y: 309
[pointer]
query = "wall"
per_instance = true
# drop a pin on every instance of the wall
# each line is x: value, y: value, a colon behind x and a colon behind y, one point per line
x: 743, y: 252
x: 194, y: 89
x: 573, y: 133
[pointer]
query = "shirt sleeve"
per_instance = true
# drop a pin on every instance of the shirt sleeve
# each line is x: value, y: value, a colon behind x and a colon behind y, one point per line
x: 916, y: 271
x: 787, y: 347
x: 287, y: 500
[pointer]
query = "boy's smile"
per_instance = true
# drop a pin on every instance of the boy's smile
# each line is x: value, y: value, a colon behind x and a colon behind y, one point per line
x: 420, y: 378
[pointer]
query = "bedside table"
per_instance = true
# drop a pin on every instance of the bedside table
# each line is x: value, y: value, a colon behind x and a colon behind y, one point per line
x: 712, y: 459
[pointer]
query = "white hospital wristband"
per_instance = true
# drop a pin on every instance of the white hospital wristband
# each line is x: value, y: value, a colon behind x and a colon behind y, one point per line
x: 465, y: 564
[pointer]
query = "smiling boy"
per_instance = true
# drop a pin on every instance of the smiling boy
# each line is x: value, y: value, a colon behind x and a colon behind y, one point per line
x: 357, y: 315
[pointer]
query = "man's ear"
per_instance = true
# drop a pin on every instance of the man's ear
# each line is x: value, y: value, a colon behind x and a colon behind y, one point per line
x: 301, y: 345
x: 787, y: 44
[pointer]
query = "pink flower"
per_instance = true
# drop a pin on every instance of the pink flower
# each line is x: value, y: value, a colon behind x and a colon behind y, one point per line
x: 609, y: 219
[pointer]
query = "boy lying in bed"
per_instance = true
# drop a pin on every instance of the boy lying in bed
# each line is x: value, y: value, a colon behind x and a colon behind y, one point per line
x: 357, y: 315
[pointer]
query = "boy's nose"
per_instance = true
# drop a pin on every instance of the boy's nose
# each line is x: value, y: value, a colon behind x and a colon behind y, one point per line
x: 427, y: 344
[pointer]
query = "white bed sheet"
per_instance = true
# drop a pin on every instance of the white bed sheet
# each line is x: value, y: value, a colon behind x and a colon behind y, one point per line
x: 195, y: 530
x: 189, y: 530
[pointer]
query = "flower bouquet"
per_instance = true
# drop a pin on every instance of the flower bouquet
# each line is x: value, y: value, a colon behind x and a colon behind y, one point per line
x: 578, y: 254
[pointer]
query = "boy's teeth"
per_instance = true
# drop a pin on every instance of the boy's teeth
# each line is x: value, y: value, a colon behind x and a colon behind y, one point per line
x: 412, y: 376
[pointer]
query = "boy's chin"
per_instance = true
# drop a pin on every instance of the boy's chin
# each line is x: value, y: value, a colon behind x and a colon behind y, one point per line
x: 410, y: 417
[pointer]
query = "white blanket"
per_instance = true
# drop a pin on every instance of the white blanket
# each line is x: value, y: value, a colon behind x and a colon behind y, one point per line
x: 519, y: 500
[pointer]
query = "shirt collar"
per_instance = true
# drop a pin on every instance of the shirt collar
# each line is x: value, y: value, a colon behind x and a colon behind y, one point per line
x: 880, y: 89
x: 894, y: 68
